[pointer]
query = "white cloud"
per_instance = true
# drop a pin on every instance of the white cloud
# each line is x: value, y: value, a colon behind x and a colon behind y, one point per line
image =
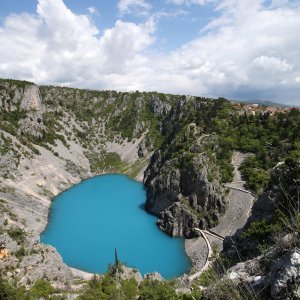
x: 251, y: 50
x: 93, y: 10
x: 248, y: 51
x: 58, y: 46
x: 189, y: 2
x: 133, y: 6
x: 271, y: 64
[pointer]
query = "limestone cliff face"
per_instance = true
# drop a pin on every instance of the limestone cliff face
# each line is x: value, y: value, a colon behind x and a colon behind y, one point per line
x: 23, y: 103
x: 162, y: 181
x: 30, y: 102
x: 31, y: 99
x: 181, y: 195
x: 182, y: 182
x: 177, y: 220
x: 158, y: 107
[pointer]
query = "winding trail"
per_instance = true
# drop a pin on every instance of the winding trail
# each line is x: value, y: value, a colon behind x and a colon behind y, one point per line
x: 209, y: 254
x: 213, y: 234
x: 240, y: 202
x: 238, y: 189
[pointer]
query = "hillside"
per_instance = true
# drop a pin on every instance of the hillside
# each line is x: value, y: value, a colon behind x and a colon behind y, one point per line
x: 181, y: 147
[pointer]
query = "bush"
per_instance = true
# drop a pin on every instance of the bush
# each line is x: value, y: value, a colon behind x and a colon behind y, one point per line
x: 17, y: 234
x: 253, y: 172
x: 41, y: 289
x: 157, y: 290
x: 262, y: 229
x: 11, y: 292
x: 21, y: 252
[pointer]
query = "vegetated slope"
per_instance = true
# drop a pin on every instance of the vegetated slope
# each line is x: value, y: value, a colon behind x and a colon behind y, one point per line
x: 52, y: 137
x: 184, y: 176
x: 262, y: 260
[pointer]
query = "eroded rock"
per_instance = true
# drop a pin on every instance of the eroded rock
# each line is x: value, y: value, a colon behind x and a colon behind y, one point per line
x: 284, y: 278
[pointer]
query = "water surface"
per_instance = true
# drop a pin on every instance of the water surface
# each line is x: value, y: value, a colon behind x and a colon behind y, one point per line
x: 91, y: 219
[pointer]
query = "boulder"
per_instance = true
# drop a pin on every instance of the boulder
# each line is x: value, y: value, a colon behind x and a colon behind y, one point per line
x: 284, y: 278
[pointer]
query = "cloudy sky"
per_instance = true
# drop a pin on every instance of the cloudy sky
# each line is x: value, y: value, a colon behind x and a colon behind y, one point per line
x: 239, y: 49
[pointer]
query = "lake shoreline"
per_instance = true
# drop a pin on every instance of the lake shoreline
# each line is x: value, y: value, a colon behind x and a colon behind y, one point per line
x: 127, y: 197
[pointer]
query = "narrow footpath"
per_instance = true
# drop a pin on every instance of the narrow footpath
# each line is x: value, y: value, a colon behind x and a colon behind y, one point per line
x: 240, y: 202
x: 204, y: 234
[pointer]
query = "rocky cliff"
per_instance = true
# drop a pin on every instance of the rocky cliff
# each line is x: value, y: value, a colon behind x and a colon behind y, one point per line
x: 182, y: 196
x: 183, y: 184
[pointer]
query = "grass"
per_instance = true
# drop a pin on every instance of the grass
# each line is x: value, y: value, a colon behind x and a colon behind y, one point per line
x: 134, y: 169
x: 106, y: 162
x: 45, y: 192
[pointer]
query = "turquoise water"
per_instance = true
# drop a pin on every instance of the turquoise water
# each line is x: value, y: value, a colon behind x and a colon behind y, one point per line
x: 91, y: 219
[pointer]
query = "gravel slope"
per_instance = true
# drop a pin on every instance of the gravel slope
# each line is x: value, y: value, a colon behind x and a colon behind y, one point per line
x: 237, y: 213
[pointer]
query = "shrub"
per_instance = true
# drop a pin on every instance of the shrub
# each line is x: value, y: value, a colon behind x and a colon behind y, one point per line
x: 41, y: 289
x: 17, y: 234
x: 21, y: 252
x: 157, y: 290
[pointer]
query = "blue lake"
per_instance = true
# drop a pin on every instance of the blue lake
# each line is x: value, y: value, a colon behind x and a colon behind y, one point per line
x: 91, y: 219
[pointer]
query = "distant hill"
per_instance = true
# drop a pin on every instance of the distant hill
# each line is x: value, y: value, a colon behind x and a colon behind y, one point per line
x: 264, y: 102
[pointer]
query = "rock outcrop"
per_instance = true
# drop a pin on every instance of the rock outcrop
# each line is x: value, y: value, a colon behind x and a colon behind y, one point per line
x: 284, y: 277
x: 279, y: 279
x: 159, y: 107
x: 31, y: 100
x: 177, y: 220
x: 180, y: 193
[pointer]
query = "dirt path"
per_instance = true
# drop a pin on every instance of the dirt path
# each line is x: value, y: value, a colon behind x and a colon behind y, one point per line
x: 209, y: 254
x: 240, y: 202
x: 205, y: 234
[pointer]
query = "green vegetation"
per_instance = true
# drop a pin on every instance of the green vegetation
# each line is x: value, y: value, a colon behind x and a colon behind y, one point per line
x: 21, y: 252
x: 41, y: 289
x: 14, y: 83
x: 285, y: 180
x: 157, y: 290
x: 9, y: 291
x: 45, y: 192
x: 105, y: 288
x: 9, y: 120
x: 269, y: 137
x: 17, y: 234
x: 255, y: 173
x: 134, y: 169
x: 105, y: 162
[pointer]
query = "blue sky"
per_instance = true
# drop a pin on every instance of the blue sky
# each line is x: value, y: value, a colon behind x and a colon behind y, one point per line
x: 237, y: 49
x: 182, y: 25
